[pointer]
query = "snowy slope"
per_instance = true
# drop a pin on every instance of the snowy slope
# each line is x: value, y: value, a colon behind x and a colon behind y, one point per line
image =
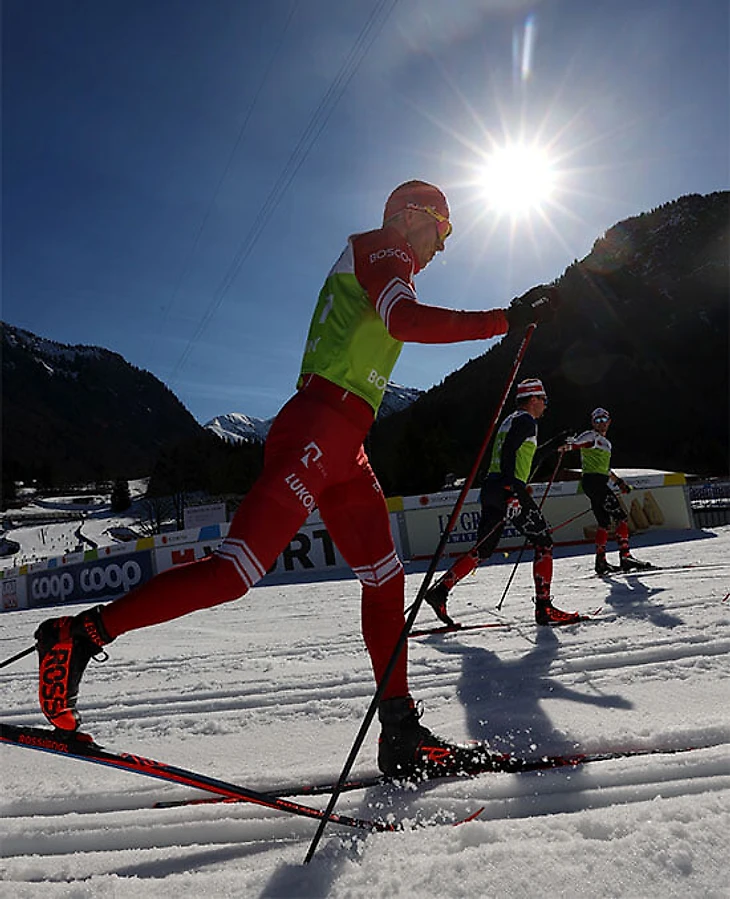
x: 272, y: 689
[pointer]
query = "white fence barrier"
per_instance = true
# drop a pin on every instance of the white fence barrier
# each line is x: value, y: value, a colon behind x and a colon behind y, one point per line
x: 656, y: 502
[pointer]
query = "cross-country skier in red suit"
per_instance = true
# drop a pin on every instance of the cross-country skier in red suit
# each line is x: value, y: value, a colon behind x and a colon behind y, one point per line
x: 314, y: 456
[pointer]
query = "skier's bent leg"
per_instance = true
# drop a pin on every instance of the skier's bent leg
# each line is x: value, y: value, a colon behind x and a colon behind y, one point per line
x: 489, y: 532
x: 65, y: 645
x: 241, y: 560
x: 542, y: 572
x: 622, y: 537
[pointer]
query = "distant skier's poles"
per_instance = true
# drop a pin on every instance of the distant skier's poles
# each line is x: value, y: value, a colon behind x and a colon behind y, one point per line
x: 524, y: 545
x: 370, y: 714
x: 568, y: 520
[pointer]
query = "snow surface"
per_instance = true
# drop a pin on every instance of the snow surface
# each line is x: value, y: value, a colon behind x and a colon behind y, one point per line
x: 272, y: 689
x: 71, y: 523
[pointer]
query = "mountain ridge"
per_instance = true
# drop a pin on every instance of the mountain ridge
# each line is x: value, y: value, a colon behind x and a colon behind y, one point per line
x: 79, y: 412
x: 643, y: 331
x: 236, y: 426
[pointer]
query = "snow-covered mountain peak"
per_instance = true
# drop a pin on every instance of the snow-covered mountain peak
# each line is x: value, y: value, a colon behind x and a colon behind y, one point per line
x: 235, y: 426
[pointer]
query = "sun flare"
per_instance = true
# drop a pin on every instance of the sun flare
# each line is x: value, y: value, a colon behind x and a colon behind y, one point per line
x: 517, y: 179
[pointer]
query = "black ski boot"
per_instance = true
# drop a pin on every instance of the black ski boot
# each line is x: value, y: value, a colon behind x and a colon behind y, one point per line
x: 603, y: 566
x: 409, y: 751
x: 629, y: 563
x: 437, y: 597
x: 65, y: 646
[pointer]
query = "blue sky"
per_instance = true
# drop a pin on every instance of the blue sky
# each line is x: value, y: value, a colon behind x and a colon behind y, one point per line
x: 179, y: 175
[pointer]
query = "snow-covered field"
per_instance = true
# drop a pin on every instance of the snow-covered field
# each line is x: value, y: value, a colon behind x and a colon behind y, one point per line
x: 272, y: 689
x: 69, y: 524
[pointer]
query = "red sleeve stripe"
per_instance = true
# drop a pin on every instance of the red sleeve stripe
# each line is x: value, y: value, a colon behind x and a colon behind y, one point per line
x: 395, y: 290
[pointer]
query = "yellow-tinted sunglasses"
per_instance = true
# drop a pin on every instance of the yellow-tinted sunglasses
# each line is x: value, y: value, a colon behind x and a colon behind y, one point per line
x: 443, y: 225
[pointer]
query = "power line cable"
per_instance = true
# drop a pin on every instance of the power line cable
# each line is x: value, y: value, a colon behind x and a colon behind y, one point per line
x: 316, y: 125
x: 239, y: 138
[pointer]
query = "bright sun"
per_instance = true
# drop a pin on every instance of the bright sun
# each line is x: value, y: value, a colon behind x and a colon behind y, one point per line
x: 517, y: 179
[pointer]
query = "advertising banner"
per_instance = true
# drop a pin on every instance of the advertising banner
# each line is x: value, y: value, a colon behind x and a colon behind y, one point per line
x: 310, y: 550
x: 654, y: 503
x: 200, y: 516
x: 88, y: 581
x: 13, y: 594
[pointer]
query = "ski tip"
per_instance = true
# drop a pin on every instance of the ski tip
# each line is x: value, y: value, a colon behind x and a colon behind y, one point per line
x: 472, y: 817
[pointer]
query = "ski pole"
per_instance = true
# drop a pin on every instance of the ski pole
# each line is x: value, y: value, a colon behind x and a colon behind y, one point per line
x: 568, y: 520
x: 524, y: 545
x: 482, y: 540
x: 403, y: 638
x: 474, y: 549
x: 20, y: 655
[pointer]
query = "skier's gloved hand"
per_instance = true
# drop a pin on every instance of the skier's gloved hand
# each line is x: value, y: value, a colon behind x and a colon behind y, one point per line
x: 537, y: 306
x: 567, y: 445
x: 622, y: 485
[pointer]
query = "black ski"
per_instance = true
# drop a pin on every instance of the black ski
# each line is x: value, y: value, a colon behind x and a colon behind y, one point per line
x: 497, y: 764
x: 650, y: 568
x: 454, y: 628
x: 319, y: 788
x: 80, y: 746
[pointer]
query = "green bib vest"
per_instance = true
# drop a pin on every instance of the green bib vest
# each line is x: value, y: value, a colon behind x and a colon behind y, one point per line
x: 596, y: 459
x: 348, y: 342
x: 523, y: 457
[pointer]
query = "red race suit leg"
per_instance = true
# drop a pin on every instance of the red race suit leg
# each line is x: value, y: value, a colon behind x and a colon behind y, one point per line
x: 356, y: 516
x: 313, y: 454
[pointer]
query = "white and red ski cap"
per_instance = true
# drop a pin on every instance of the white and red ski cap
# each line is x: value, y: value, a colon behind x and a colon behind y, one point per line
x: 600, y: 415
x: 530, y: 387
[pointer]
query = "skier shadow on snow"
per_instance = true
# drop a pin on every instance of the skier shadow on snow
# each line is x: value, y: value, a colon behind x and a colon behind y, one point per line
x: 630, y: 598
x: 502, y: 699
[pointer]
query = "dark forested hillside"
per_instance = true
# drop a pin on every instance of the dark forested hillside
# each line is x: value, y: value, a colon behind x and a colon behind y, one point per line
x: 643, y: 331
x: 78, y: 413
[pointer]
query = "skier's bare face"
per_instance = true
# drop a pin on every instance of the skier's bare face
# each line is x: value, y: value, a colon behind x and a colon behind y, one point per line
x: 536, y: 406
x: 422, y: 233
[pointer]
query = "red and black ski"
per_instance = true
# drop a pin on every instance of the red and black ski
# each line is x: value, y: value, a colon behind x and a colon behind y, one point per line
x: 497, y: 764
x: 80, y: 746
x: 505, y: 763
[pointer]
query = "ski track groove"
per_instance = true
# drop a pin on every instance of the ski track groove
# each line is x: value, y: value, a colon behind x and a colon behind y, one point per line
x: 650, y: 636
x: 33, y: 831
x: 573, y: 658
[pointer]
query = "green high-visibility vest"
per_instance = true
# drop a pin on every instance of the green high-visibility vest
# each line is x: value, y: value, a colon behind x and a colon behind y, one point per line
x: 348, y: 342
x: 595, y: 459
x: 523, y: 457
